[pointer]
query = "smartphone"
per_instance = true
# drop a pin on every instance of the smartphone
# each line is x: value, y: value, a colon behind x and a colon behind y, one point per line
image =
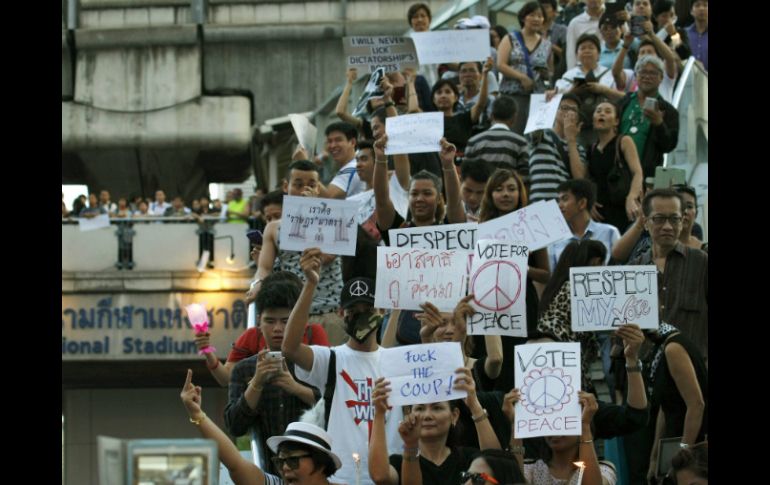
x: 637, y: 27
x: 650, y: 103
x: 255, y: 237
x: 666, y: 177
x: 399, y: 95
x: 579, y: 81
x: 273, y: 356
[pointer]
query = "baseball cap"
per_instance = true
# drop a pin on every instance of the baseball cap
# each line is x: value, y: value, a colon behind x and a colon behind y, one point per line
x: 357, y: 290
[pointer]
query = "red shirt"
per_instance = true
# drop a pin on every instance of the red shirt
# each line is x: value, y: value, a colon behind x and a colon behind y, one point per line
x: 252, y: 341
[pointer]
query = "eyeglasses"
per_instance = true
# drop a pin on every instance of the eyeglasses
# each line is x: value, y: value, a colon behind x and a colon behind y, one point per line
x: 291, y: 461
x: 649, y: 73
x: 659, y: 220
x: 568, y: 108
x: 477, y: 478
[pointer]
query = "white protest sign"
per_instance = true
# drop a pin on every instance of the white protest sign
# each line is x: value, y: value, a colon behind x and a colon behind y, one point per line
x: 310, y: 222
x: 422, y: 373
x: 99, y: 222
x: 542, y: 115
x: 498, y: 282
x: 416, y: 133
x: 408, y: 277
x: 548, y: 376
x: 445, y: 236
x: 537, y: 225
x: 398, y: 196
x: 306, y: 133
x: 444, y: 46
x: 605, y: 297
x: 368, y: 53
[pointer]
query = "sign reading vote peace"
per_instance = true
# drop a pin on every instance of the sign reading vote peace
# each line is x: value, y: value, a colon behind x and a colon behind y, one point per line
x: 498, y: 283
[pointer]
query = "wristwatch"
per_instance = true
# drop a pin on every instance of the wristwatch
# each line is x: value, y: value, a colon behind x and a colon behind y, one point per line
x: 634, y: 368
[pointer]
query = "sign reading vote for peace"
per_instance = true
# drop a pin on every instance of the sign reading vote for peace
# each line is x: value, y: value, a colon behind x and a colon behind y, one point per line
x: 368, y: 53
x: 498, y: 283
x: 603, y: 297
x: 423, y: 373
x: 446, y: 236
x: 408, y: 277
x: 416, y: 133
x: 443, y: 46
x: 548, y: 376
x: 328, y: 224
x: 537, y: 225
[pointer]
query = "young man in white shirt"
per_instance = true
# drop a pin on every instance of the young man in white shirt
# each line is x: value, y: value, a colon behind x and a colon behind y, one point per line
x: 357, y: 364
x: 585, y: 23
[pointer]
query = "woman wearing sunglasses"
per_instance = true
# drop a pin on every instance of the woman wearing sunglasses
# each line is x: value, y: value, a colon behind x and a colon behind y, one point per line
x: 430, y: 454
x: 493, y: 467
x: 304, y: 451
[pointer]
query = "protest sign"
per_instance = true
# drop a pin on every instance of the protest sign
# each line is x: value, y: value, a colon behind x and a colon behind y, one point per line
x: 604, y: 297
x: 423, y: 373
x: 498, y: 282
x: 443, y: 46
x: 368, y: 53
x: 398, y: 196
x: 99, y: 222
x: 310, y: 222
x: 408, y: 277
x: 542, y: 115
x: 416, y: 133
x: 371, y: 91
x: 306, y: 133
x: 446, y: 236
x: 548, y: 376
x: 537, y: 226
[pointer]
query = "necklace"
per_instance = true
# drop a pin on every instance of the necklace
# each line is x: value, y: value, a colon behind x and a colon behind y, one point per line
x: 635, y: 117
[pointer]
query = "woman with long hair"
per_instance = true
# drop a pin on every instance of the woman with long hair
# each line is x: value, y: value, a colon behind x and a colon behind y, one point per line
x: 493, y: 467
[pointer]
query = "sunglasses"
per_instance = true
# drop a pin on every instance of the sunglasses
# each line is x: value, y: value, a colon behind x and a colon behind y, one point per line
x: 477, y: 478
x: 291, y: 461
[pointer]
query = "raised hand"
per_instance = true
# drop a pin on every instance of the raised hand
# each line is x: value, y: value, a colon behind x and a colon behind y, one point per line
x: 632, y: 340
x: 310, y: 262
x: 191, y: 397
x: 410, y: 429
x: 203, y: 340
x: 430, y: 321
x: 464, y: 382
x: 588, y: 402
x: 351, y: 75
x: 462, y: 311
x: 448, y: 153
x: 380, y: 395
x: 509, y: 404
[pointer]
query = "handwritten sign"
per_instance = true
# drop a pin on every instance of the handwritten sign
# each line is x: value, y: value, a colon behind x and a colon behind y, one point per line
x: 310, y: 222
x: 306, y: 133
x: 408, y: 277
x: 603, y: 297
x: 443, y: 46
x: 99, y: 222
x: 416, y: 133
x: 498, y: 283
x: 368, y: 53
x: 548, y: 375
x: 537, y: 225
x: 448, y: 237
x: 542, y: 115
x: 398, y: 196
x: 423, y: 373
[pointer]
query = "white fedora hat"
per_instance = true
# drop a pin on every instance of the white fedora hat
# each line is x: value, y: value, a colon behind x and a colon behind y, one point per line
x: 307, y: 434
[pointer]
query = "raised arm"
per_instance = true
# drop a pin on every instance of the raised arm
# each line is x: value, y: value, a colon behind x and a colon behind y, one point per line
x: 668, y: 55
x: 683, y: 372
x: 342, y: 103
x: 622, y: 248
x: 465, y: 382
x: 617, y: 67
x: 412, y: 103
x: 516, y: 445
x: 220, y: 372
x: 572, y: 127
x: 454, y: 204
x: 267, y: 255
x: 587, y: 454
x: 384, y: 209
x: 634, y: 197
x: 380, y: 469
x: 632, y: 341
x: 292, y: 346
x: 481, y: 105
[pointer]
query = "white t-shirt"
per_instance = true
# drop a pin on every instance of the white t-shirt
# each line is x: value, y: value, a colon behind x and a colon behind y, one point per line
x: 398, y: 196
x: 352, y: 412
x: 347, y: 179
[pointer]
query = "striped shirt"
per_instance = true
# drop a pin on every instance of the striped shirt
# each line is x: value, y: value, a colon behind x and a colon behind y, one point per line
x: 549, y: 166
x: 502, y: 148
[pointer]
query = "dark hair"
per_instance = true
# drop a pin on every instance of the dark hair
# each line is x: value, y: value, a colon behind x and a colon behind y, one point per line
x: 477, y: 170
x: 479, y: 65
x: 581, y: 189
x: 365, y: 145
x: 686, y: 189
x: 279, y: 290
x: 437, y: 183
x: 321, y: 460
x: 645, y: 42
x: 271, y: 198
x: 416, y: 8
x: 527, y: 9
x: 572, y: 97
x: 662, y: 193
x: 504, y: 108
x: 588, y: 38
x: 500, y: 176
x: 440, y: 84
x: 505, y: 467
x: 380, y: 114
x: 345, y: 128
x: 694, y: 458
x: 575, y: 254
x: 552, y: 3
x: 661, y: 6
x: 501, y: 32
x: 303, y: 166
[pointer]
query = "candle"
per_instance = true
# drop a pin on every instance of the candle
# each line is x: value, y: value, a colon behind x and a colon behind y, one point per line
x: 199, y: 320
x: 357, y: 459
x: 580, y: 473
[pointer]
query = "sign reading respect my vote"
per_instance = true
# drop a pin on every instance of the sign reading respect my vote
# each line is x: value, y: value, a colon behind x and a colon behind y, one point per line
x: 498, y: 283
x: 537, y: 225
x: 603, y: 297
x: 548, y: 376
x: 423, y: 373
x: 407, y: 278
x: 443, y: 46
x: 416, y: 133
x: 328, y: 224
x: 368, y: 53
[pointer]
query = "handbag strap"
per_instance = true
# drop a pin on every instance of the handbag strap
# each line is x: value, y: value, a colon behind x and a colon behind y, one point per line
x: 525, y: 51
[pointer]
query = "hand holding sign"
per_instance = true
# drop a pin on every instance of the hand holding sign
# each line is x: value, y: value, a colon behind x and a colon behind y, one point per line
x: 310, y: 262
x: 448, y: 153
x: 632, y: 340
x: 380, y: 395
x: 509, y: 404
x: 462, y: 311
x: 589, y: 405
x: 430, y: 321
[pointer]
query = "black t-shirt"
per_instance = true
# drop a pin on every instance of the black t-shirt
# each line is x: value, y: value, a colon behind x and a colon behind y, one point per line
x: 458, y: 129
x: 448, y: 473
x: 493, y: 403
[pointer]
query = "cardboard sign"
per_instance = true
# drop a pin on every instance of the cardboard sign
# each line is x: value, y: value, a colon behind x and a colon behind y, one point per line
x: 306, y: 133
x: 460, y: 237
x: 328, y: 224
x: 548, y: 376
x: 542, y: 115
x: 445, y: 46
x: 423, y: 373
x: 537, y: 226
x: 408, y: 277
x: 498, y: 282
x: 416, y: 133
x: 604, y: 297
x: 99, y: 222
x: 368, y: 53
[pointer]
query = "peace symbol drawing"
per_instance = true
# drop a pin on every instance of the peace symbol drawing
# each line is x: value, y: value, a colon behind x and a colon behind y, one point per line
x: 546, y: 391
x: 496, y: 285
x: 359, y: 288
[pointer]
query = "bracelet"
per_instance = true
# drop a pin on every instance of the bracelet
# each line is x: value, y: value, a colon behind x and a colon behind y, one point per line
x: 389, y: 104
x: 517, y: 449
x: 382, y: 161
x: 634, y: 368
x: 411, y: 458
x: 212, y: 367
x: 484, y: 415
x: 197, y: 422
x: 586, y: 441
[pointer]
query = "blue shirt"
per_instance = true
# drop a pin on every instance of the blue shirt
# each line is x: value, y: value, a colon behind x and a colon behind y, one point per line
x: 607, y: 56
x: 607, y: 234
x: 699, y: 44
